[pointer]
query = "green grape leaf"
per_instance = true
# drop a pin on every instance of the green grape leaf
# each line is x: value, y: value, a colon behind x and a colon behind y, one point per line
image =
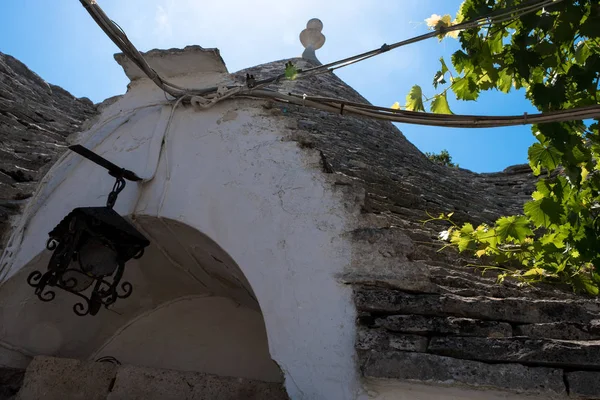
x: 582, y: 52
x: 467, y: 229
x: 554, y: 56
x: 444, y: 66
x: 487, y: 236
x: 537, y: 195
x: 543, y: 189
x: 466, y: 243
x: 461, y: 62
x: 534, y: 272
x: 291, y: 72
x: 504, y: 83
x: 440, y: 76
x: 589, y: 28
x: 463, y: 238
x: 414, y: 99
x: 439, y: 105
x: 585, y: 284
x: 545, y: 48
x: 465, y: 89
x: 555, y: 238
x: 496, y: 44
x: 561, y: 266
x: 543, y: 156
x: 460, y: 15
x: 548, y: 96
x: 544, y: 212
x: 513, y: 227
x: 591, y: 288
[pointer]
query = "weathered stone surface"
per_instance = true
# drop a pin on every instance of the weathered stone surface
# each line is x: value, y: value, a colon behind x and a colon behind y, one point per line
x: 137, y: 383
x: 394, y: 389
x: 57, y: 378
x: 519, y: 310
x: 584, y: 384
x: 561, y: 353
x: 10, y: 382
x: 445, y: 370
x: 421, y: 324
x: 560, y: 330
x: 408, y: 342
x: 172, y: 62
x: 463, y: 282
x: 386, y: 252
x: 35, y: 119
x: 51, y: 378
x: 367, y: 339
x: 371, y: 339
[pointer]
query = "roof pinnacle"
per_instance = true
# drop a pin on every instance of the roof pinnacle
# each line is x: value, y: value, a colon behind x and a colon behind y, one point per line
x: 312, y: 39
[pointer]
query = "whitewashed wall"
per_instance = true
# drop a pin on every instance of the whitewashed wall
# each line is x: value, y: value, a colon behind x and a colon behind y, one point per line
x: 231, y: 173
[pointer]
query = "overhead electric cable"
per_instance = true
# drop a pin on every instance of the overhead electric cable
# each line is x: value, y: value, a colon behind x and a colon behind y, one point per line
x: 204, y: 98
x: 120, y: 39
x: 339, y: 106
x: 494, y: 17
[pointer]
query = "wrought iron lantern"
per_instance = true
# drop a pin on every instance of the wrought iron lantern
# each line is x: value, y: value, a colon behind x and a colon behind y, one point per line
x: 90, y: 248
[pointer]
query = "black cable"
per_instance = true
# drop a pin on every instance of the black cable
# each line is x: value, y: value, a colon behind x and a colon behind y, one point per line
x: 531, y: 6
x: 120, y: 39
x: 118, y: 36
x: 423, y: 118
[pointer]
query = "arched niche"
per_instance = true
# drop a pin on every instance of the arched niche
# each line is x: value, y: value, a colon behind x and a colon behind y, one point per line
x: 234, y: 173
x: 192, y: 309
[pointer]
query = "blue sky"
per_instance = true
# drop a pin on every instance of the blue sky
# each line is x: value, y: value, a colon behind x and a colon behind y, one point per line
x: 59, y: 41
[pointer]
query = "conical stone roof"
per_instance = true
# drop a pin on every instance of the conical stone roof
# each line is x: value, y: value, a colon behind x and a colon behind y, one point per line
x: 424, y: 315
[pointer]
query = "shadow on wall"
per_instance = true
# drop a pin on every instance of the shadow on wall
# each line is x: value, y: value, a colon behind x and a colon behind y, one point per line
x: 192, y: 309
x: 206, y: 334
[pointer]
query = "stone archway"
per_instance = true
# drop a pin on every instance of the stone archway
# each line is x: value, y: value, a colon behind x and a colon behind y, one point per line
x: 218, y: 328
x: 192, y: 309
x: 236, y: 173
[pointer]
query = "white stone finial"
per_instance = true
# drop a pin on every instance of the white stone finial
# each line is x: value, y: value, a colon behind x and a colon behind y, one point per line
x: 315, y: 23
x: 312, y: 39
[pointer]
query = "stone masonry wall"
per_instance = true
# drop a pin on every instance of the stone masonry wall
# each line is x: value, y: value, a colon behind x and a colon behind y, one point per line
x: 548, y: 347
x: 58, y: 378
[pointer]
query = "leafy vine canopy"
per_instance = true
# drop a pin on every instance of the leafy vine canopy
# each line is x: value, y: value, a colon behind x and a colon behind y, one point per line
x: 554, y: 55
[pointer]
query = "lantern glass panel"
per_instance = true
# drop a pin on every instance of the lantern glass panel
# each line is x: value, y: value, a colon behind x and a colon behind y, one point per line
x: 97, y: 259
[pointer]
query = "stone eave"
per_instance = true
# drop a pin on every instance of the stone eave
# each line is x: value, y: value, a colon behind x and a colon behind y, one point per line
x: 174, y: 62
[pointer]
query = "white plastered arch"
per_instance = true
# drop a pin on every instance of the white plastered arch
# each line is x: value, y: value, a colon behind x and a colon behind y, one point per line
x: 236, y: 177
